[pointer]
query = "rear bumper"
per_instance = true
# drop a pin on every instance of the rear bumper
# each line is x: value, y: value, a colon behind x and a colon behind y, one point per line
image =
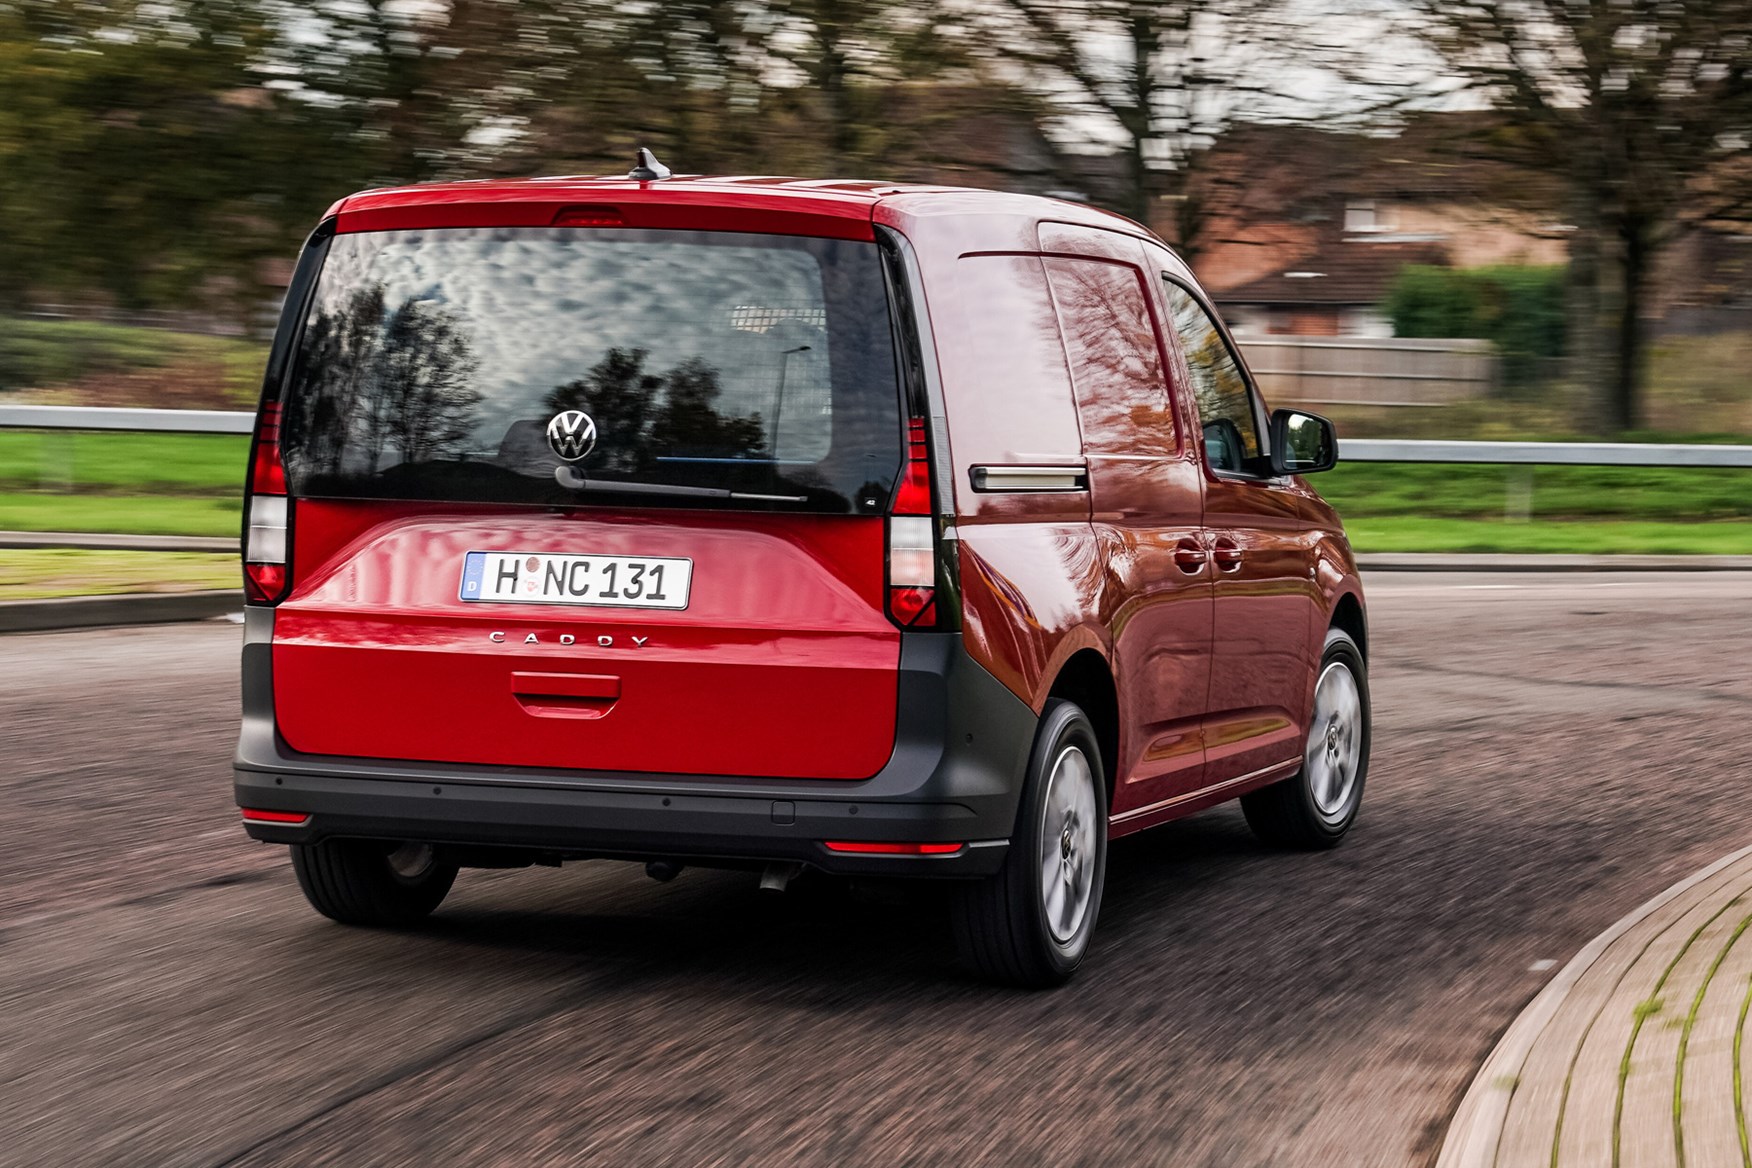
x: 961, y: 749
x: 627, y: 824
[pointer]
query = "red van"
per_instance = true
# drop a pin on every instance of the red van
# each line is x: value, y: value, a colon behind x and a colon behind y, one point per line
x: 880, y: 530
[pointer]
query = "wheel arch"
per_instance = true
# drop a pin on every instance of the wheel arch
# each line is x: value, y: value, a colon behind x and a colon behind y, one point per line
x: 1086, y: 679
x: 1347, y: 614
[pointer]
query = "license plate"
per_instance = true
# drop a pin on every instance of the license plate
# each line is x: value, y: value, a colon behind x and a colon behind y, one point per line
x: 540, y: 578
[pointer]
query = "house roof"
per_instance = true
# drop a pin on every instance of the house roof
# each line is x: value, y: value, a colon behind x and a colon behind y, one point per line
x: 1434, y: 157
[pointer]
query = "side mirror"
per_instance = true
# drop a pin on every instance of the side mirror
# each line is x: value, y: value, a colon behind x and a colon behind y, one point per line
x: 1302, y: 443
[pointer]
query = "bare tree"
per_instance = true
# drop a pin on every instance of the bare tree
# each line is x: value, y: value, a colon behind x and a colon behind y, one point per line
x: 1169, y: 74
x: 1640, y: 106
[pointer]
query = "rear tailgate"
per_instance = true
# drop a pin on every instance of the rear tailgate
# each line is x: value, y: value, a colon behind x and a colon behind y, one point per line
x: 781, y: 665
x: 610, y: 501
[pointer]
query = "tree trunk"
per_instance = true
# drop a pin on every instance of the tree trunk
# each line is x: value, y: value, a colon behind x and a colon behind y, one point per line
x: 1137, y: 194
x: 1582, y: 307
x: 1139, y: 114
x: 1592, y: 302
x: 831, y: 71
x: 1636, y: 239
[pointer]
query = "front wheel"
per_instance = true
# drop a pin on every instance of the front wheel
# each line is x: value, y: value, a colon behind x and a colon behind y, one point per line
x: 1316, y: 807
x: 372, y: 882
x: 1029, y: 925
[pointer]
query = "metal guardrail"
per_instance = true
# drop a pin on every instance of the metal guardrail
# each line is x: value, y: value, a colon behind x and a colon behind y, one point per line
x: 109, y: 418
x: 1542, y: 453
x: 1349, y: 449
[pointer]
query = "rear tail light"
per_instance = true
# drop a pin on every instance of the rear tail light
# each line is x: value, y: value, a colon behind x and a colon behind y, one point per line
x: 267, y: 475
x: 267, y: 515
x: 288, y: 818
x: 912, y: 539
x: 874, y: 848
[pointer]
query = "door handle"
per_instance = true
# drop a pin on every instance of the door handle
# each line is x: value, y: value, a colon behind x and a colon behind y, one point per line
x: 1227, y: 553
x: 1189, y: 557
x: 565, y: 695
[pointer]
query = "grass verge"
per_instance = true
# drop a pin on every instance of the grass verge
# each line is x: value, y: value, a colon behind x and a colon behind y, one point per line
x: 122, y: 515
x: 1462, y: 491
x: 1581, y: 537
x: 47, y: 573
x: 123, y: 463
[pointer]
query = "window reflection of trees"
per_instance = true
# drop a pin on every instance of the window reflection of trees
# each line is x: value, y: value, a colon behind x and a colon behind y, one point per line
x: 1111, y: 343
x: 727, y: 381
x: 1217, y: 383
x: 381, y: 386
x: 639, y: 414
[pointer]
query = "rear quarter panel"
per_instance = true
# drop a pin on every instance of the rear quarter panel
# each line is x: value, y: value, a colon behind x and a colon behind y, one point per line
x: 1031, y: 575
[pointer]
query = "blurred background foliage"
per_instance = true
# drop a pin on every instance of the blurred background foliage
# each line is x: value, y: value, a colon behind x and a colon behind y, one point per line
x: 1518, y: 307
x: 160, y: 160
x: 170, y: 155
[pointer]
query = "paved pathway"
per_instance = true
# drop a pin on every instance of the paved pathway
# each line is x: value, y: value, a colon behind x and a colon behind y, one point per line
x: 1632, y: 1057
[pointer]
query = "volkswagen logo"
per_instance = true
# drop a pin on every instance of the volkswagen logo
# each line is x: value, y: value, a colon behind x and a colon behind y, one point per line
x: 572, y: 434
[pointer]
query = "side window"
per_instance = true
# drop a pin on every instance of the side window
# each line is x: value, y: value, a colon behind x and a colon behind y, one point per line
x: 1225, y: 403
x: 1008, y: 393
x: 1116, y: 364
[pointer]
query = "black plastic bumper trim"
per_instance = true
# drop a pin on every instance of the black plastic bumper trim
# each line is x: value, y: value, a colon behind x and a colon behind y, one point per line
x: 961, y: 746
x: 629, y: 825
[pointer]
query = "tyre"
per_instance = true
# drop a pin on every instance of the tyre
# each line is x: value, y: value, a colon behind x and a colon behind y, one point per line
x: 1029, y: 925
x: 372, y: 882
x: 1316, y: 807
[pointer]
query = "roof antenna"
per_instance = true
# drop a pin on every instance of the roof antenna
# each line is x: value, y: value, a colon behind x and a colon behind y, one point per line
x: 646, y: 168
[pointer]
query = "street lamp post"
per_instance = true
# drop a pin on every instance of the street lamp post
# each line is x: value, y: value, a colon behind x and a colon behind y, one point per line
x: 779, y: 397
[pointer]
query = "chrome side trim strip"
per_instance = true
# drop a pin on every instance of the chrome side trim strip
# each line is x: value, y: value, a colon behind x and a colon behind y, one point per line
x: 1203, y: 792
x: 992, y: 479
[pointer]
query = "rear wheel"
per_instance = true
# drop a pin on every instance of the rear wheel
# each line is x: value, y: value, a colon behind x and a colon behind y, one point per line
x: 1030, y: 924
x: 372, y: 882
x: 1316, y: 807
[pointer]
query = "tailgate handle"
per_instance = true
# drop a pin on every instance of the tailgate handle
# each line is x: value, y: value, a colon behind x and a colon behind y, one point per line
x: 566, y: 695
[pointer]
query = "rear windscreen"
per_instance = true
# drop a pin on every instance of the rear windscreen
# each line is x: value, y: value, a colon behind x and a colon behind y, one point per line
x: 561, y: 366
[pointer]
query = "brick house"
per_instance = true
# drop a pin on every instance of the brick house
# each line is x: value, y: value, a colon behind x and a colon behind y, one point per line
x: 1307, y: 229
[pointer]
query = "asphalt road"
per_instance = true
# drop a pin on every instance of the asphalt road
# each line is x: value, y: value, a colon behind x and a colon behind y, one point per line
x: 1550, y: 751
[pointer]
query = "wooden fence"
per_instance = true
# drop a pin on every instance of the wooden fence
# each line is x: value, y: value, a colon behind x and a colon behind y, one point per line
x: 1369, y: 371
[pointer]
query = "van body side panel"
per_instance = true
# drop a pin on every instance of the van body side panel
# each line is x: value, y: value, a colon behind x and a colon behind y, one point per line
x: 1030, y: 574
x: 1264, y: 657
x: 1147, y: 507
x: 1007, y: 390
x: 1267, y: 600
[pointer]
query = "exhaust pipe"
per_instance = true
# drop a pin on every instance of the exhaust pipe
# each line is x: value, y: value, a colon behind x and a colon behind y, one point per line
x: 778, y: 877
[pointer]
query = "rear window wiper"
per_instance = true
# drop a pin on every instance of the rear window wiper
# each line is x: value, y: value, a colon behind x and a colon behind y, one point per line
x: 576, y: 482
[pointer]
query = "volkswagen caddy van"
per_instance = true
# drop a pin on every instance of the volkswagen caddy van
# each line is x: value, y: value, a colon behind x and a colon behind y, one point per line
x: 895, y: 531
